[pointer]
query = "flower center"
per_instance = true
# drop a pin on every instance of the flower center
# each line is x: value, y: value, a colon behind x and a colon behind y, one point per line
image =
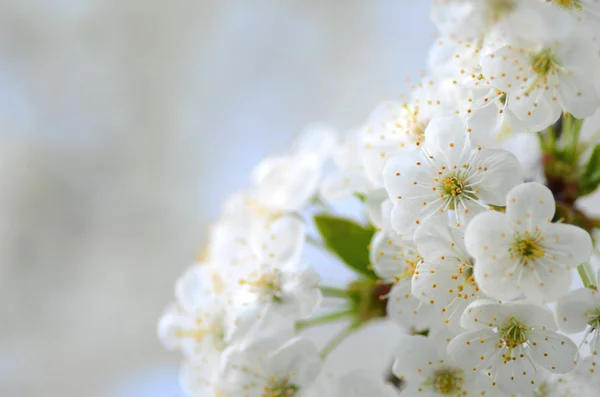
x: 527, y: 249
x: 543, y: 63
x: 282, y: 388
x: 446, y: 381
x: 512, y: 335
x: 569, y: 4
x: 453, y: 186
x: 214, y: 330
x: 268, y: 285
x: 594, y: 318
x: 466, y: 271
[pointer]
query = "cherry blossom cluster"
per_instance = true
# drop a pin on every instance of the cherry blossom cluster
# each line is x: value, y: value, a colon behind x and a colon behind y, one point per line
x: 473, y: 242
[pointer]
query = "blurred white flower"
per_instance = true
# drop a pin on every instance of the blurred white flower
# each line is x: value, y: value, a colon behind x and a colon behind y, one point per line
x: 289, y: 370
x: 429, y: 371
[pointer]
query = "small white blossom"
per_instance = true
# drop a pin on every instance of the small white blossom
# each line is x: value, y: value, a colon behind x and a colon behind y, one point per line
x: 521, y: 252
x: 197, y: 324
x: 509, y: 341
x: 444, y: 277
x: 540, y: 80
x: 272, y: 277
x: 447, y: 174
x: 287, y: 371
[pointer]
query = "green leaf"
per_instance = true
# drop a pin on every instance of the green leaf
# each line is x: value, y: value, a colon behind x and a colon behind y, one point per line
x: 348, y: 240
x: 591, y: 175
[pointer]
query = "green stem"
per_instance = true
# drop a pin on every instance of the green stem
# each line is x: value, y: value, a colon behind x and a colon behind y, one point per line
x: 591, y: 273
x: 584, y: 276
x: 339, y: 338
x: 325, y: 319
x: 332, y: 292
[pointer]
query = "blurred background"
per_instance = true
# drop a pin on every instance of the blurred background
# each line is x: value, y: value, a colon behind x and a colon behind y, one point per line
x: 124, y: 124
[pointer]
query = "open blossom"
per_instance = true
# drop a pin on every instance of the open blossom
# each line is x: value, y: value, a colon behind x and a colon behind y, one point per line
x: 395, y: 127
x: 522, y: 252
x: 508, y: 341
x: 448, y: 174
x: 272, y: 277
x: 287, y: 371
x: 444, y: 277
x: 542, y: 79
x: 430, y: 372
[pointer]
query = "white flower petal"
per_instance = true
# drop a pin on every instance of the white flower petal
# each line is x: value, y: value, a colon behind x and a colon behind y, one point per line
x: 407, y: 311
x: 577, y: 95
x: 446, y: 139
x: 567, y: 245
x: 436, y: 239
x: 572, y: 310
x: 297, y: 360
x: 392, y: 256
x: 282, y: 240
x: 415, y: 357
x: 474, y: 350
x: 530, y: 314
x: 547, y: 283
x: 529, y: 205
x: 552, y: 351
x: 483, y: 314
x: 507, y: 173
x: 518, y: 376
x: 374, y: 205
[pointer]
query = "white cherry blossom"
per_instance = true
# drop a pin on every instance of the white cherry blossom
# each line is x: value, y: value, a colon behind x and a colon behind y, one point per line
x: 287, y: 371
x: 521, y: 252
x: 398, y: 127
x: 444, y: 277
x: 509, y: 341
x: 271, y: 275
x: 448, y: 174
x: 430, y: 372
x: 540, y: 80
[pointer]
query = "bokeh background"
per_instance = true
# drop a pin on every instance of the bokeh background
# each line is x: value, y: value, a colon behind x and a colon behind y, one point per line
x: 123, y: 125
